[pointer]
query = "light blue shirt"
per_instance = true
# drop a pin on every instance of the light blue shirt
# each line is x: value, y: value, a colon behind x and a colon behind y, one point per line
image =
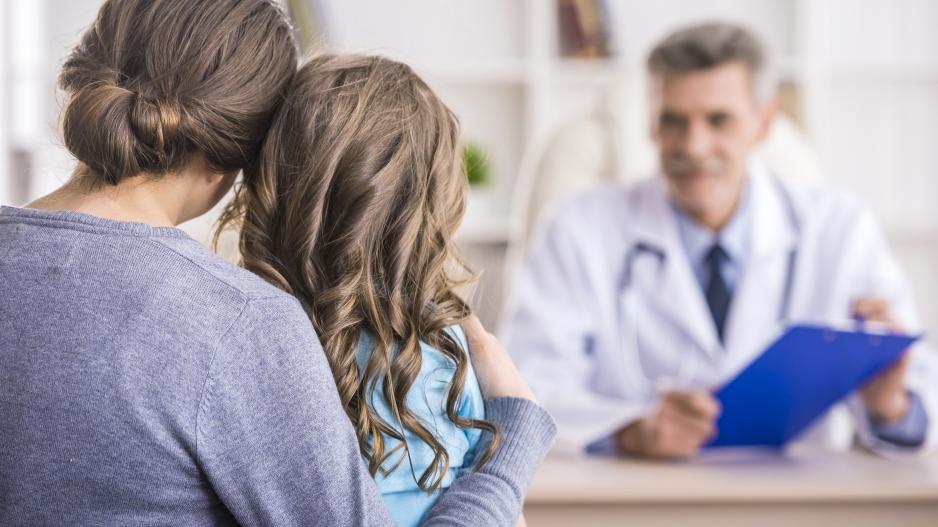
x: 734, y: 238
x: 427, y: 401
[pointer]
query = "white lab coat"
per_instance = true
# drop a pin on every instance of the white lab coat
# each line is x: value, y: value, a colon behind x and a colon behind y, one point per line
x: 593, y: 352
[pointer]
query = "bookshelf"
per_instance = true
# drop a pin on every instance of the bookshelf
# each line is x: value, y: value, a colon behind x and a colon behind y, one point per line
x: 515, y: 89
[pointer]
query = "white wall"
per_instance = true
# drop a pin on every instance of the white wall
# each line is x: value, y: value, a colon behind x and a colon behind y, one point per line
x: 38, y: 34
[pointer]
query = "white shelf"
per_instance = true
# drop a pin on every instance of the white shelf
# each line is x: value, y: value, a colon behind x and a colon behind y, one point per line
x: 493, y: 73
x: 604, y: 72
x: 490, y: 230
x: 486, y: 221
x: 588, y: 72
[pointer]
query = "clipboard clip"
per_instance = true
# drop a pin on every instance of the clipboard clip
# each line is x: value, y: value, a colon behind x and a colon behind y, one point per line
x: 875, y: 339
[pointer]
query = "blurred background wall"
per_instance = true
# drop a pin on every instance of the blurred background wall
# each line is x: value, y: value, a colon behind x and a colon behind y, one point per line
x: 859, y: 79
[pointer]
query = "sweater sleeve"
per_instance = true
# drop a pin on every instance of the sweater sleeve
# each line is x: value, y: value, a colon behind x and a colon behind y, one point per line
x: 494, y: 494
x: 278, y: 448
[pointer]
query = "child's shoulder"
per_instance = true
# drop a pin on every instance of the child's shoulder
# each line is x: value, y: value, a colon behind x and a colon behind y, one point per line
x: 439, y: 368
x: 462, y: 343
x: 428, y: 394
x: 457, y: 332
x: 434, y: 363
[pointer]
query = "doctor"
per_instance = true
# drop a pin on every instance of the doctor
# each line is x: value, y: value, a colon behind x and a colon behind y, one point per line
x: 637, y: 301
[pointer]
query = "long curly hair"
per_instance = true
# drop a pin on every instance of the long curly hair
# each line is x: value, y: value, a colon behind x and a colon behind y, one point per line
x: 352, y: 207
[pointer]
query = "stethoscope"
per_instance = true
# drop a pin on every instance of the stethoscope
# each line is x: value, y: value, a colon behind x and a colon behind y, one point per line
x: 688, y: 368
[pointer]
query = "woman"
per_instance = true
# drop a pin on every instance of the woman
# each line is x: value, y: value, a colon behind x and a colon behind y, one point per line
x: 143, y: 380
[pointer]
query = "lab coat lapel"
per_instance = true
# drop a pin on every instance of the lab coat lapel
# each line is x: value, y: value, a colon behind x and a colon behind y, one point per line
x: 675, y: 294
x: 757, y: 302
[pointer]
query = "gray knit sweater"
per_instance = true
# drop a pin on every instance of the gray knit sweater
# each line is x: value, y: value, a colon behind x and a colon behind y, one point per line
x: 145, y: 381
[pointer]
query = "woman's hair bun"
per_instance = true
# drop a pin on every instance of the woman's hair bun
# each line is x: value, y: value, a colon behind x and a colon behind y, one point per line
x: 97, y: 130
x: 155, y: 122
x: 153, y: 82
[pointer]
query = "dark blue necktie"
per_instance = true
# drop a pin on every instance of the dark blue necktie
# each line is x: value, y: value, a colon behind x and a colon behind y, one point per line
x: 718, y: 293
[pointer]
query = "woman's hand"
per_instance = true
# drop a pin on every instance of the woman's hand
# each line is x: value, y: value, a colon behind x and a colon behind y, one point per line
x: 497, y: 374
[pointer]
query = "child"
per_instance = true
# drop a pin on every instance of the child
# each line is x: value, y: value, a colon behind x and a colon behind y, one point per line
x: 352, y: 207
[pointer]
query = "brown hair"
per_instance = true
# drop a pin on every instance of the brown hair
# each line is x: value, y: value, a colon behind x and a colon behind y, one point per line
x: 709, y: 45
x: 352, y: 208
x: 154, y: 81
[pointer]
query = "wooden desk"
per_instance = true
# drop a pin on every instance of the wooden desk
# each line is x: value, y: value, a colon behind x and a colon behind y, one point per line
x: 737, y: 488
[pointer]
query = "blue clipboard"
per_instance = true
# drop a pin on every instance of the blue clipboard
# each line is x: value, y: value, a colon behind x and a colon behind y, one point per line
x: 797, y: 379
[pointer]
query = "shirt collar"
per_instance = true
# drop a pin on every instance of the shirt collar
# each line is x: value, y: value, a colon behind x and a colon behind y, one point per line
x: 734, y: 238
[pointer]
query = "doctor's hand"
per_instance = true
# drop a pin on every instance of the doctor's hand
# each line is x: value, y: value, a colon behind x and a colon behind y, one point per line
x: 683, y: 423
x: 497, y: 374
x: 885, y: 396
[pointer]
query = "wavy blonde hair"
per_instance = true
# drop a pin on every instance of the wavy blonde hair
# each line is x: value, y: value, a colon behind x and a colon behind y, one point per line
x: 352, y: 207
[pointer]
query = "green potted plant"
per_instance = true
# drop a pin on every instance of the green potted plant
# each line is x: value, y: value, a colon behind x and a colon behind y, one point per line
x: 476, y: 164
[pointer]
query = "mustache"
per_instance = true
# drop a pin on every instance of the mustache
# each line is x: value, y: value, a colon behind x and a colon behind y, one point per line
x: 682, y: 165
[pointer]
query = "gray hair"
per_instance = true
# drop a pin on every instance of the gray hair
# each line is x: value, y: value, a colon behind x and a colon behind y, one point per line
x: 705, y: 46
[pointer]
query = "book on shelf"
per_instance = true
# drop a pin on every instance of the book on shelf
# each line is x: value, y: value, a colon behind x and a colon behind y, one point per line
x: 584, y: 29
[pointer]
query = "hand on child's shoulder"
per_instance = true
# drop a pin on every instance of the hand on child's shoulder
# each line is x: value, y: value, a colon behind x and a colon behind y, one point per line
x: 497, y: 374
